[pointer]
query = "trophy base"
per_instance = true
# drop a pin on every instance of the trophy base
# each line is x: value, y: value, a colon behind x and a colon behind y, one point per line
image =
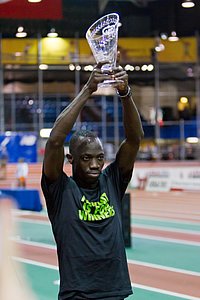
x: 110, y: 82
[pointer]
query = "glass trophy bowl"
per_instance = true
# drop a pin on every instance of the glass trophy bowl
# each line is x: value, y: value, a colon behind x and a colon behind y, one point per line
x: 102, y: 37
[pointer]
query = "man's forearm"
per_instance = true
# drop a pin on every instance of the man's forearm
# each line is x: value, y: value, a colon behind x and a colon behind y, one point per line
x: 131, y: 118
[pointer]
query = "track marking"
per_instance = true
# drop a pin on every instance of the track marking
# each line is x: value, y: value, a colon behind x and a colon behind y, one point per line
x: 35, y: 244
x: 161, y: 267
x: 164, y: 228
x: 139, y: 286
x: 162, y: 239
x: 131, y: 261
x: 35, y: 263
x: 158, y: 219
x: 38, y: 222
x: 160, y: 291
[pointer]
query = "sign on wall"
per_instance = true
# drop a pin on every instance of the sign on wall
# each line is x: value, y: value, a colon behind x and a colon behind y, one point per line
x: 18, y: 145
x: 22, y: 9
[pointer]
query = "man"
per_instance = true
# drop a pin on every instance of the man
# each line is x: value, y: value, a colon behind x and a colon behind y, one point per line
x: 21, y: 172
x: 85, y: 209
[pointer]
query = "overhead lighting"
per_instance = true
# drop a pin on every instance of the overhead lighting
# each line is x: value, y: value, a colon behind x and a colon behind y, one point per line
x: 20, y: 32
x: 160, y: 48
x: 150, y: 68
x: 192, y: 140
x: 163, y: 36
x: 45, y: 132
x: 184, y: 100
x: 43, y: 67
x: 173, y: 37
x: 188, y: 4
x: 52, y: 33
x: 34, y: 1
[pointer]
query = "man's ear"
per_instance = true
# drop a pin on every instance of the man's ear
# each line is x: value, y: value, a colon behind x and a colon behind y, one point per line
x: 69, y: 158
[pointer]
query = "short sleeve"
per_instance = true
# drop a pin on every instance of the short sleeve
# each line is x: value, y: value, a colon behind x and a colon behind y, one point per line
x: 53, y: 192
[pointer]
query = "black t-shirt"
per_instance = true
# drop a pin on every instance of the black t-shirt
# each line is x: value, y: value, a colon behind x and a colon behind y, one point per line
x: 87, y: 227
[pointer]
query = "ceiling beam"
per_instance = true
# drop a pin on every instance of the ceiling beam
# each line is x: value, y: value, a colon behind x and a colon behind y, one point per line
x: 103, y: 3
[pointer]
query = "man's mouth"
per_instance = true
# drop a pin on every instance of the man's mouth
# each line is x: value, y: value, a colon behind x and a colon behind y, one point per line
x: 93, y: 173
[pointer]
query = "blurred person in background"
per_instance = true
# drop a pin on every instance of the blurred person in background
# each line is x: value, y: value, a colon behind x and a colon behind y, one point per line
x: 85, y: 209
x: 13, y: 282
x: 3, y: 161
x: 21, y: 172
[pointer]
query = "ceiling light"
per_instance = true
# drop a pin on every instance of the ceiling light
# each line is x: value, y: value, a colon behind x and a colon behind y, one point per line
x: 163, y: 36
x: 183, y: 100
x: 43, y: 67
x: 188, y: 4
x: 150, y: 68
x: 45, y: 132
x: 71, y: 67
x: 129, y: 67
x: 137, y: 68
x: 144, y: 68
x: 52, y: 33
x: 160, y: 47
x: 192, y: 140
x: 173, y: 37
x: 20, y: 32
x: 34, y: 1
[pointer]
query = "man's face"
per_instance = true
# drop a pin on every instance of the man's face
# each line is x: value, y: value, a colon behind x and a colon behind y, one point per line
x: 88, y: 161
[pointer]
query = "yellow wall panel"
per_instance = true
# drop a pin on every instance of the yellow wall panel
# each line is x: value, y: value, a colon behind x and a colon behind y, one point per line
x: 64, y: 51
x: 182, y: 51
x: 19, y: 51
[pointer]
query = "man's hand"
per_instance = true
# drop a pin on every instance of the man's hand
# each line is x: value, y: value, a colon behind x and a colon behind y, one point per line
x: 97, y: 76
x: 120, y: 74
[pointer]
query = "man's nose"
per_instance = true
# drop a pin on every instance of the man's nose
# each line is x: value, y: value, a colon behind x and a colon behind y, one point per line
x: 94, y: 163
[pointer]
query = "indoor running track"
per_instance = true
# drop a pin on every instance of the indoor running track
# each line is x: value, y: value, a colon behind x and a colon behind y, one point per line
x: 164, y: 260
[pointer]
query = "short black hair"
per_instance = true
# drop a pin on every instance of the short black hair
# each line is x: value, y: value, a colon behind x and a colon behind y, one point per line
x: 80, y: 134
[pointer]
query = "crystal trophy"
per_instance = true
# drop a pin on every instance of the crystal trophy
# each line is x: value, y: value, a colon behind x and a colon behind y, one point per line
x: 102, y: 37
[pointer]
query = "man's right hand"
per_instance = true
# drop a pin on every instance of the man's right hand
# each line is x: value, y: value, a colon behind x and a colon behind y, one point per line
x: 97, y: 76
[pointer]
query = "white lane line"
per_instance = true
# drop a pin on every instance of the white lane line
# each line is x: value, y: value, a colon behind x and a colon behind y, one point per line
x: 163, y: 239
x: 32, y: 221
x: 161, y: 267
x: 168, y: 229
x: 135, y: 285
x: 168, y: 215
x: 130, y: 261
x: 166, y: 220
x: 160, y: 291
x: 35, y: 263
x: 35, y: 244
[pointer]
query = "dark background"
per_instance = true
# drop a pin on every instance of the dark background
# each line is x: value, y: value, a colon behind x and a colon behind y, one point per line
x: 140, y: 18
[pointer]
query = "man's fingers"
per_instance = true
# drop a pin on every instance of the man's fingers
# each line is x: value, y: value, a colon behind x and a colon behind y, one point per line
x: 118, y: 57
x: 101, y: 63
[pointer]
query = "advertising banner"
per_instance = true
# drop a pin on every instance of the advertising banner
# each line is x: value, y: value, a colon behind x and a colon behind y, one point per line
x: 22, y: 9
x: 18, y: 145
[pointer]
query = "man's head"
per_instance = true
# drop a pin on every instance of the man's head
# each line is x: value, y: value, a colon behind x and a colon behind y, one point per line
x: 86, y: 155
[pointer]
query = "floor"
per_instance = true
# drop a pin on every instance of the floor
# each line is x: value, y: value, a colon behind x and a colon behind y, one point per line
x: 164, y: 257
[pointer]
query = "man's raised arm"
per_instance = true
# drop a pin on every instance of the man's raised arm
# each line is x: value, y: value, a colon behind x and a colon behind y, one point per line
x: 54, y: 150
x: 127, y: 152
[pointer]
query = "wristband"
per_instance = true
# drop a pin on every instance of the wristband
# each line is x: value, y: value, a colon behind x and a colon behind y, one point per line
x: 128, y: 94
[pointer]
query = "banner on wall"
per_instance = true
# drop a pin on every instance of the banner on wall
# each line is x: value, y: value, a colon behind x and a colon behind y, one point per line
x: 166, y: 179
x: 18, y: 145
x: 22, y: 9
